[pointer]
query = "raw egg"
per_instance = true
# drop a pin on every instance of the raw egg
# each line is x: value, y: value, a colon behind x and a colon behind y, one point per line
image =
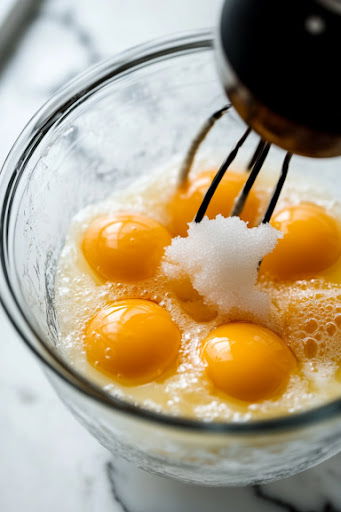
x: 190, y: 300
x: 332, y: 274
x: 132, y: 340
x: 186, y: 201
x: 247, y: 361
x: 125, y: 247
x: 311, y: 242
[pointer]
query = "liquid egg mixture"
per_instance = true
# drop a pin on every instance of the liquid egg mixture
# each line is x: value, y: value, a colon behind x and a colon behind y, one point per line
x: 220, y: 320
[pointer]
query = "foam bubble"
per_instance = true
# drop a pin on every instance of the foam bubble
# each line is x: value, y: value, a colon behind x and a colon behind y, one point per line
x: 221, y: 256
x: 307, y: 318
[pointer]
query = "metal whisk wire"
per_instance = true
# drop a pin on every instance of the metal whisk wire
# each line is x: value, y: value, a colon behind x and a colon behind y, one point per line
x: 254, y: 167
x: 198, y: 140
x: 255, y: 155
x: 275, y: 196
x: 219, y: 176
x: 259, y: 161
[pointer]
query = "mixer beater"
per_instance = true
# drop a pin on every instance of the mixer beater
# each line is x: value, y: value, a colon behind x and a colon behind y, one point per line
x: 254, y: 167
x: 277, y: 101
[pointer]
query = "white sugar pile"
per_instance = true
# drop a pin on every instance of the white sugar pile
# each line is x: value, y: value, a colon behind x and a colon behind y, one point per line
x: 221, y: 258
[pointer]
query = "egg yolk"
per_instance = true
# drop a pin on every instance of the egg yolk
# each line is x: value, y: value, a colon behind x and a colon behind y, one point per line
x: 311, y: 242
x: 186, y: 201
x: 247, y: 361
x: 190, y: 300
x: 125, y: 247
x: 132, y: 340
x: 332, y: 274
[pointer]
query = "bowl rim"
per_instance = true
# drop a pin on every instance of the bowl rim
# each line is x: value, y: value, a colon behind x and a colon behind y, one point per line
x: 49, y: 115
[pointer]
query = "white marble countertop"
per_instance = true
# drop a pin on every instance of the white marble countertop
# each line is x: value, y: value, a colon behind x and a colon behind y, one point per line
x: 48, y: 462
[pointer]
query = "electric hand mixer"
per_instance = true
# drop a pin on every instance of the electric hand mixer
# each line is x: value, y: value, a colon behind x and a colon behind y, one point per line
x: 279, y: 65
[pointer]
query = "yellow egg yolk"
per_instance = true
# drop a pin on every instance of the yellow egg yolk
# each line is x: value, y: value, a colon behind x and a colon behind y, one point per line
x: 125, y: 247
x: 247, y: 361
x: 186, y: 201
x: 132, y: 340
x: 311, y: 242
x: 190, y: 300
x: 332, y: 274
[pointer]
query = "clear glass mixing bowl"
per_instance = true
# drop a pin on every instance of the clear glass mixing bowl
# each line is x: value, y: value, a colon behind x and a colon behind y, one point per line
x: 104, y: 130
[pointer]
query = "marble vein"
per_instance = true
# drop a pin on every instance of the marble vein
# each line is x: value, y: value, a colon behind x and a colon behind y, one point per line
x: 286, y: 505
x: 110, y: 471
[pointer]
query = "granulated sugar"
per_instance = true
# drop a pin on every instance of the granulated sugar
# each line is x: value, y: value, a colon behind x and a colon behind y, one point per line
x: 221, y: 257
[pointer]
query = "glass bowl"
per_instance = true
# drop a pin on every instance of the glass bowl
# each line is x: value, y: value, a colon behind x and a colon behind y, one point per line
x: 112, y: 125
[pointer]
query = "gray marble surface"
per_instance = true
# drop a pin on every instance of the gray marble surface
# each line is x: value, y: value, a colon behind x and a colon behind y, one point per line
x: 48, y: 462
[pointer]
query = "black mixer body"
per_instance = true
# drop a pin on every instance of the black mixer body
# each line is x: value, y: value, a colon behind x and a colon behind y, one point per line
x: 280, y: 66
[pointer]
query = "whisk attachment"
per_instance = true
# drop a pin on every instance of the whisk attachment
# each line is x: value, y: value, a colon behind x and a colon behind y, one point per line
x: 255, y: 155
x: 278, y: 189
x: 241, y: 199
x: 253, y: 168
x: 197, y: 141
x: 219, y: 176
